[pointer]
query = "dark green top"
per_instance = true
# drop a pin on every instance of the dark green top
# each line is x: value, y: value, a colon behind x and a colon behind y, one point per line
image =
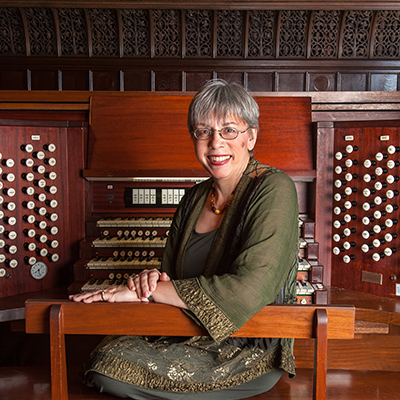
x: 197, y: 253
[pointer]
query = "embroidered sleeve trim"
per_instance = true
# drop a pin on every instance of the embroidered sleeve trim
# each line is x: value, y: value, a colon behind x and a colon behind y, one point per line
x: 213, y: 319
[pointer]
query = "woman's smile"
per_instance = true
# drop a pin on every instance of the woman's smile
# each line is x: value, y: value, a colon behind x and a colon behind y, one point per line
x: 219, y: 160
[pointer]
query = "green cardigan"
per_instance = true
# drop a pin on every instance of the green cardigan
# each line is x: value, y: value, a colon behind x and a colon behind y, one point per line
x: 252, y: 263
x: 258, y: 239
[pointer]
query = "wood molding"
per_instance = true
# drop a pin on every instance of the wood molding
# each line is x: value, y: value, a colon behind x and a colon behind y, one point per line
x: 79, y: 100
x: 216, y: 5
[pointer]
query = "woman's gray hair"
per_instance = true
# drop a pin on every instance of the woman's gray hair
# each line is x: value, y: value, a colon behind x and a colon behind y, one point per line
x: 221, y: 99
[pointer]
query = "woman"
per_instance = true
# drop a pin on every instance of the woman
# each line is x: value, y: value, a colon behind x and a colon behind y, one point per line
x: 232, y: 249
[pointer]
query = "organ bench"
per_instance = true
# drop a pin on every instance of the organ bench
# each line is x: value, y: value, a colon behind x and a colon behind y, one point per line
x: 298, y: 321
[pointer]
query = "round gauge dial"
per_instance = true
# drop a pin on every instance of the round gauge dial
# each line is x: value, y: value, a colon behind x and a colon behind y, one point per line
x: 39, y: 270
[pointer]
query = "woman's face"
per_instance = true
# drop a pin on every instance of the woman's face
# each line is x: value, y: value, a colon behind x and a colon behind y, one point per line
x: 225, y: 159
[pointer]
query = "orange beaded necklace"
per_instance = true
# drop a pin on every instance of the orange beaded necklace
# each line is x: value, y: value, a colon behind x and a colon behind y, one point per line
x: 214, y: 209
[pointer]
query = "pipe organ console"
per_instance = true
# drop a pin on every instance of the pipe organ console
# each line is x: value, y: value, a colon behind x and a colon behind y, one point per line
x: 91, y: 206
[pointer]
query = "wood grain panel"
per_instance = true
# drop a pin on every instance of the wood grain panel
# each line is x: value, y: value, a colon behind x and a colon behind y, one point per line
x: 150, y: 133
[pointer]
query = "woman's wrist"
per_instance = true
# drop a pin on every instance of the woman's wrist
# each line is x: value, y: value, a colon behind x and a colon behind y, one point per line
x: 167, y: 294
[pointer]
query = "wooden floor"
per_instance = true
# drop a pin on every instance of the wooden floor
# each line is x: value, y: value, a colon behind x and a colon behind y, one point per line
x: 31, y: 383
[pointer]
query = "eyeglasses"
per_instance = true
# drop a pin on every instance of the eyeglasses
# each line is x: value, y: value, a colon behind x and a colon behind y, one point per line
x: 227, y: 133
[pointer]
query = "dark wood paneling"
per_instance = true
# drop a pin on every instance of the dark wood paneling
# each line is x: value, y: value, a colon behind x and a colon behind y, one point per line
x: 13, y: 80
x: 106, y: 80
x: 195, y: 80
x: 322, y: 82
x: 353, y: 82
x: 209, y: 4
x: 232, y: 76
x: 168, y: 81
x: 384, y: 82
x: 75, y: 80
x: 44, y: 80
x: 136, y: 80
x: 301, y: 50
x: 260, y: 81
x: 291, y: 82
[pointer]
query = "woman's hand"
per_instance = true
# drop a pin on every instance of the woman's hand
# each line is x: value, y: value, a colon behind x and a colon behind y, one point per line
x: 113, y: 294
x: 146, y: 282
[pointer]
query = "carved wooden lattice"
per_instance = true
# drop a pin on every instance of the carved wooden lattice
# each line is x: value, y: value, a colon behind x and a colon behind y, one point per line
x: 42, y: 34
x: 230, y: 33
x: 135, y: 28
x: 325, y: 34
x: 292, y: 40
x: 357, y: 34
x: 73, y: 32
x: 166, y: 33
x: 387, y: 36
x: 104, y: 29
x: 198, y: 33
x: 262, y: 34
x: 11, y: 32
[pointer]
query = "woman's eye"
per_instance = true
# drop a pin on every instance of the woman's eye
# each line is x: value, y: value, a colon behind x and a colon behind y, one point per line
x: 230, y: 130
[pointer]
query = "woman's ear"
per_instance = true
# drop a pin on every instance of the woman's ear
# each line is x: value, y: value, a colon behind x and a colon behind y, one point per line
x: 252, y: 139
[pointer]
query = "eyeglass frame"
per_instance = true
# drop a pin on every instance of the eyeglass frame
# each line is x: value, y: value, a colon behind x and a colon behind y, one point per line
x: 219, y: 132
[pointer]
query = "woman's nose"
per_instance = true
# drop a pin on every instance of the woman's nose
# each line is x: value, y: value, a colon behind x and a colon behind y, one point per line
x: 215, y: 140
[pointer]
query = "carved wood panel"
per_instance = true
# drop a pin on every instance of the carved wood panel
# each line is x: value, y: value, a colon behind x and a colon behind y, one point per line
x: 142, y: 49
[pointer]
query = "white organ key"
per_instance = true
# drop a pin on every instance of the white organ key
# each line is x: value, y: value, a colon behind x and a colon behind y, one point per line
x: 304, y: 288
x: 129, y: 242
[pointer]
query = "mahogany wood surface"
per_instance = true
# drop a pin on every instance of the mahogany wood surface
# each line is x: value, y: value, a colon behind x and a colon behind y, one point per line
x: 150, y: 133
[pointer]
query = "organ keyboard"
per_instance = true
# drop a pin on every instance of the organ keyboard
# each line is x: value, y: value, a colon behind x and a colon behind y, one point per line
x: 120, y: 261
x: 129, y: 241
x: 120, y: 246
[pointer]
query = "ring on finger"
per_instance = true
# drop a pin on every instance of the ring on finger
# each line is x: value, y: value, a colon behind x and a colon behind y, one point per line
x: 102, y: 296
